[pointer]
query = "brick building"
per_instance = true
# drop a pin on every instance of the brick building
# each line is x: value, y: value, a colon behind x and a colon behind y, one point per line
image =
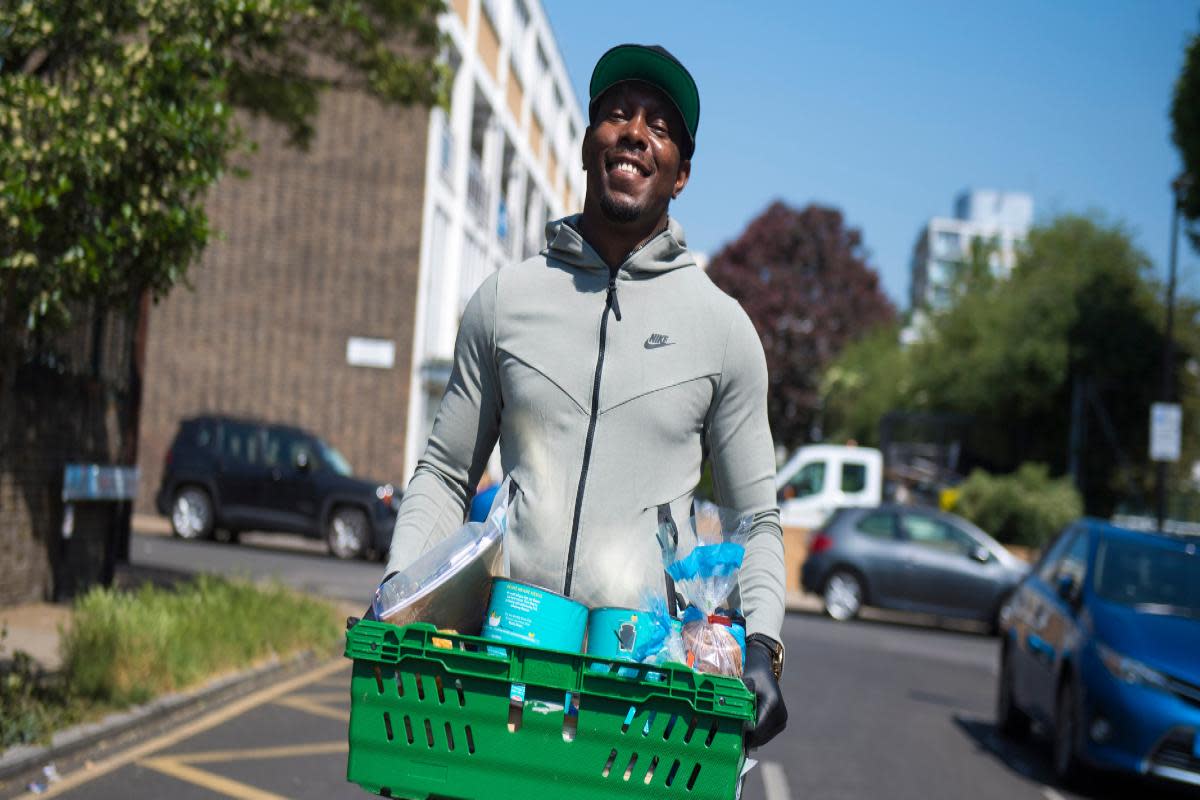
x: 332, y: 298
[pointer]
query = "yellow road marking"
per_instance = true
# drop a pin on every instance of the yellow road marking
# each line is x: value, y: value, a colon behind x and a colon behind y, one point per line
x: 316, y: 709
x: 282, y: 751
x: 200, y: 725
x: 216, y: 783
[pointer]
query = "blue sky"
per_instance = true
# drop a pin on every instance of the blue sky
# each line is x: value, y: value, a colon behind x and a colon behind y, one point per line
x: 887, y: 110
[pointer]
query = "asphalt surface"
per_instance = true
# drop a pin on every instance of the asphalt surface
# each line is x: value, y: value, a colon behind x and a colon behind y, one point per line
x: 877, y: 710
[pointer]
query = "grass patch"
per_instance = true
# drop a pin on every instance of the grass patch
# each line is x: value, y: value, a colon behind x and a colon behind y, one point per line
x: 125, y: 647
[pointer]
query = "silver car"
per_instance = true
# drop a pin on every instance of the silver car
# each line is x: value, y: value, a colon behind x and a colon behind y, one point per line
x: 911, y: 559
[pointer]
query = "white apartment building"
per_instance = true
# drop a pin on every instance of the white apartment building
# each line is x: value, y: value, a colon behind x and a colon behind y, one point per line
x: 945, y: 243
x: 500, y: 164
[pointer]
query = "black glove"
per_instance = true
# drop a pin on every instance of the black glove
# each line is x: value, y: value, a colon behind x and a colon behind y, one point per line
x: 760, y: 679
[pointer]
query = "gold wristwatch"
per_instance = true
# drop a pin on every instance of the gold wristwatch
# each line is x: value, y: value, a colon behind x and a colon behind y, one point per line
x: 775, y: 648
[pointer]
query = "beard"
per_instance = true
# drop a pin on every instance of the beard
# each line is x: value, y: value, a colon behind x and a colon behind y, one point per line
x: 619, y: 211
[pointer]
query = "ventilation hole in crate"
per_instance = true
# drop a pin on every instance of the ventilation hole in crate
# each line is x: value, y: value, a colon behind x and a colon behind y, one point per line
x: 470, y: 741
x: 672, y: 773
x: 387, y: 725
x: 449, y: 737
x: 379, y: 678
x: 629, y: 769
x: 649, y: 723
x: 692, y: 780
x: 570, y: 723
x: 462, y: 700
x: 441, y: 693
x: 428, y: 733
x: 399, y: 683
x: 670, y: 727
x: 420, y: 688
x: 385, y: 792
x: 712, y: 734
x: 629, y: 715
x: 650, y: 772
x: 687, y: 737
x: 408, y: 729
x: 514, y: 716
x: 612, y: 756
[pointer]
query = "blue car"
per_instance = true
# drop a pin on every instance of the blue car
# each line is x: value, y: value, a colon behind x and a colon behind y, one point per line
x: 1101, y: 645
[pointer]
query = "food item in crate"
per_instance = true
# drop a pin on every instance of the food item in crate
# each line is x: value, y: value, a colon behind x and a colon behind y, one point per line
x: 715, y: 644
x: 521, y: 613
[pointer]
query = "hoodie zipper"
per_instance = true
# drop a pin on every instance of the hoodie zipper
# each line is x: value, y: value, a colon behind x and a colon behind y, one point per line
x: 610, y: 303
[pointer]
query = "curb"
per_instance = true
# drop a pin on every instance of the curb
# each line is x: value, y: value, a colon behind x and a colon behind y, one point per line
x: 69, y: 741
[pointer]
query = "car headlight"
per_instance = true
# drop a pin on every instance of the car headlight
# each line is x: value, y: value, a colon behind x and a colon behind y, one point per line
x: 388, y: 496
x: 1130, y: 670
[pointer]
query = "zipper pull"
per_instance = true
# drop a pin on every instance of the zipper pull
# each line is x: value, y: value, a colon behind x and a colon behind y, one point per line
x: 612, y: 296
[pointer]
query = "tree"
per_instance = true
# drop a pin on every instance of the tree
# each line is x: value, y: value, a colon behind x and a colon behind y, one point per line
x: 116, y: 118
x: 1185, y: 120
x: 803, y: 278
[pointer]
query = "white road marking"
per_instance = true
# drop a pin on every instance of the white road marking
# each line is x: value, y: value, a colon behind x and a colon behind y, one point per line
x: 774, y: 781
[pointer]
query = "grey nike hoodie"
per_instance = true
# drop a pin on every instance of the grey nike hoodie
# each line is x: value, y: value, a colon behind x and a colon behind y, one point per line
x: 606, y: 390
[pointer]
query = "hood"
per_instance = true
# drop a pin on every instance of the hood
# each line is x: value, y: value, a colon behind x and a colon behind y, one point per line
x: 663, y: 253
x: 1166, y: 643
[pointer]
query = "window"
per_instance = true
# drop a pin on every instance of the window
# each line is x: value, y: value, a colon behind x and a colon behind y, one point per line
x: 936, y: 535
x: 1074, y: 562
x: 1049, y: 562
x: 809, y: 480
x: 283, y: 447
x: 202, y: 434
x: 878, y: 526
x: 854, y: 477
x: 1162, y: 578
x: 241, y: 444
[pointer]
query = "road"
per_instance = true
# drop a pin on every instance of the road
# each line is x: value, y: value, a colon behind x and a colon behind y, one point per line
x: 877, y: 710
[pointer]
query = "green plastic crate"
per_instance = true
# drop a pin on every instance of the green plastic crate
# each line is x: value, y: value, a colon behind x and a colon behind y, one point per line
x: 430, y: 722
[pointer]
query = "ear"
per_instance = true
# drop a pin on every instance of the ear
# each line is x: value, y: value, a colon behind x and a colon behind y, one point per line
x: 583, y: 147
x: 681, y: 177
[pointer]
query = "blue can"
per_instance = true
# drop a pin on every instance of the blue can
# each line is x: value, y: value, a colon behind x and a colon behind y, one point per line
x: 616, y: 632
x: 521, y: 613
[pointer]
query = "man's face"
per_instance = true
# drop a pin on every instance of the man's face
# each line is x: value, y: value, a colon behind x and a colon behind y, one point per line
x: 632, y: 153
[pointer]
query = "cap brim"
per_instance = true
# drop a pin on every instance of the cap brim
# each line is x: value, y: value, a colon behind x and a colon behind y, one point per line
x: 637, y: 63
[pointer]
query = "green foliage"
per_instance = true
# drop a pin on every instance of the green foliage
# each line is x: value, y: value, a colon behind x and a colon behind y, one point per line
x: 870, y: 378
x: 116, y: 118
x: 126, y: 647
x: 1185, y: 130
x: 32, y: 701
x: 1025, y: 508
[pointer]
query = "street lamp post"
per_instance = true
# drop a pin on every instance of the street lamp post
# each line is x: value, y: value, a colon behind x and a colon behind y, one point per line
x: 1166, y: 393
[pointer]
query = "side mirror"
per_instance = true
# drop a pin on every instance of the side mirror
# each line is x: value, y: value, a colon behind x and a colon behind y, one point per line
x: 1065, y: 588
x: 302, y: 463
x: 981, y: 554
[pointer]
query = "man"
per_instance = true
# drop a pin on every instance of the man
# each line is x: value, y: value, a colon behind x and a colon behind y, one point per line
x: 607, y: 368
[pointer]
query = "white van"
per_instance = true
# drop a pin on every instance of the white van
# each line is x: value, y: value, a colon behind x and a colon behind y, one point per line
x: 821, y: 477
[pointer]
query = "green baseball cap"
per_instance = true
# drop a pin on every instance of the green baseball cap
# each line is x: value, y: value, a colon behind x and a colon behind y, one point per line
x: 657, y: 67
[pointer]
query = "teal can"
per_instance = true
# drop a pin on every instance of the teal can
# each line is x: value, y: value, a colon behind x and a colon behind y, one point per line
x: 616, y: 632
x: 521, y: 613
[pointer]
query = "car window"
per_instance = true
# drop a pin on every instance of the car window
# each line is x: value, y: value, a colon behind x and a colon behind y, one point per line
x: 241, y: 443
x: 878, y: 525
x: 1049, y: 562
x: 284, y: 446
x: 1157, y: 578
x: 202, y: 434
x: 1074, y: 561
x: 854, y: 477
x: 809, y: 480
x: 935, y: 534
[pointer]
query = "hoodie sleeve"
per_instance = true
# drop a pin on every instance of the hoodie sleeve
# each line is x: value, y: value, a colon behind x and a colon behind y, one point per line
x: 743, y: 468
x: 465, y: 432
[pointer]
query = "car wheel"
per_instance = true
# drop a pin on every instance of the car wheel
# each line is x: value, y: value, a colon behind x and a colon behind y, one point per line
x: 1010, y: 720
x: 843, y: 595
x: 348, y: 533
x: 1066, y: 736
x: 192, y: 513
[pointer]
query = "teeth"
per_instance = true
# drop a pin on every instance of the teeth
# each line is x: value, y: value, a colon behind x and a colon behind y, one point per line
x: 627, y: 167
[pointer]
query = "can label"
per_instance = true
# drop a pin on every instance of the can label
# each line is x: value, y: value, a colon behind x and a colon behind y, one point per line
x: 520, y: 613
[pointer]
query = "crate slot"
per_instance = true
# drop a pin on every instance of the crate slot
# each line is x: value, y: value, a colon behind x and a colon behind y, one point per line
x: 420, y: 687
x: 379, y: 678
x: 671, y: 774
x: 629, y: 769
x: 462, y: 700
x: 470, y: 742
x: 515, y: 711
x: 387, y: 725
x: 670, y: 727
x: 441, y: 693
x: 650, y: 772
x: 429, y: 734
x: 649, y: 723
x: 570, y: 726
x: 687, y: 737
x: 629, y: 715
x: 608, y: 764
x: 449, y: 737
x: 399, y: 683
x: 712, y: 733
x: 408, y: 729
x: 692, y: 780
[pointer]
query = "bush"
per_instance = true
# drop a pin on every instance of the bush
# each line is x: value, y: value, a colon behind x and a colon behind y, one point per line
x: 126, y: 647
x: 1024, y: 508
x: 32, y: 701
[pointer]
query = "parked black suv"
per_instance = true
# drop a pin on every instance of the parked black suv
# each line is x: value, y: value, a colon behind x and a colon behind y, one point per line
x: 224, y: 475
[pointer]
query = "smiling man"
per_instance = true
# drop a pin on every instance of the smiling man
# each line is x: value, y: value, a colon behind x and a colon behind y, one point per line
x: 608, y: 368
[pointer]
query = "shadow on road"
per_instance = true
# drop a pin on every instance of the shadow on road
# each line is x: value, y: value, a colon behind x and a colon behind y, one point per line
x: 1031, y: 759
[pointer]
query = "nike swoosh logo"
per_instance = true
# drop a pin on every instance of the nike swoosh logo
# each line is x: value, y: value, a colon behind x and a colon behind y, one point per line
x: 651, y: 345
